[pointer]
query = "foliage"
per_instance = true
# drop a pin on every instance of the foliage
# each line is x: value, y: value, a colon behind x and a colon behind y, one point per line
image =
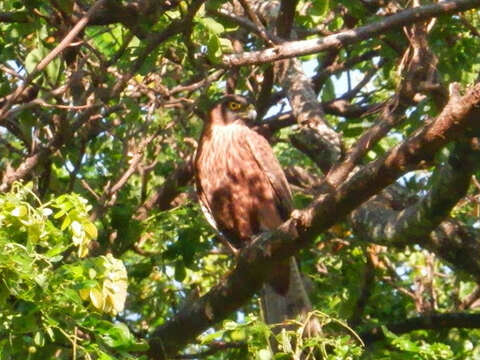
x: 101, y: 142
x: 49, y: 295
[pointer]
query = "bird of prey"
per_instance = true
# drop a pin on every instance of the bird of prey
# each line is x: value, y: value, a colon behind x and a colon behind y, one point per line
x: 243, y: 192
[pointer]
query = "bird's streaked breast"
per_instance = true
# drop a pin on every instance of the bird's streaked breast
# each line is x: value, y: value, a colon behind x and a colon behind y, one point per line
x: 239, y: 195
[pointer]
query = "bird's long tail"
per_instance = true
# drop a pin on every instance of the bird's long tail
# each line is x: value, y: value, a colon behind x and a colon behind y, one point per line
x: 293, y: 304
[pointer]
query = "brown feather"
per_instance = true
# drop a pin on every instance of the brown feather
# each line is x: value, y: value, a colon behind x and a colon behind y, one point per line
x: 240, y: 183
x: 243, y: 198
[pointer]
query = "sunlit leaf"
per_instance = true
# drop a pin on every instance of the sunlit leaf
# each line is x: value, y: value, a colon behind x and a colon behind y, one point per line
x: 97, y: 299
x: 20, y: 211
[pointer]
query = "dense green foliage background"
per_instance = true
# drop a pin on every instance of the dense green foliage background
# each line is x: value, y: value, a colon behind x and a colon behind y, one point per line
x: 95, y: 157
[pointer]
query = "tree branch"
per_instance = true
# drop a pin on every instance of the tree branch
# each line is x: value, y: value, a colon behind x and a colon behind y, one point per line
x: 14, y: 17
x: 435, y: 321
x: 305, y: 47
x: 315, y: 137
x: 165, y: 193
x: 285, y: 18
x: 423, y: 222
x: 450, y: 184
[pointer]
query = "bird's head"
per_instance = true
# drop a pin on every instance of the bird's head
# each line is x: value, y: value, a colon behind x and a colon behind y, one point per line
x: 231, y: 108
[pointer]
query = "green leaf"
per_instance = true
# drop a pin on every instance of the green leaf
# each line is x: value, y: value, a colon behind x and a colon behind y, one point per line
x: 66, y: 223
x: 328, y: 91
x: 91, y: 230
x: 213, y: 336
x: 212, y: 25
x: 214, y: 50
x: 226, y: 45
x: 264, y: 354
x: 105, y: 356
x: 39, y: 339
x: 118, y: 336
x: 53, y: 70
x: 59, y: 214
x: 238, y: 335
x: 19, y: 211
x: 58, y: 249
x: 66, y: 5
x: 180, y: 271
x: 320, y: 8
x: 33, y: 58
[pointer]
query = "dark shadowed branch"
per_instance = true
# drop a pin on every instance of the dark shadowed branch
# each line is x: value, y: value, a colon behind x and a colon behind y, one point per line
x: 435, y: 321
x: 163, y: 195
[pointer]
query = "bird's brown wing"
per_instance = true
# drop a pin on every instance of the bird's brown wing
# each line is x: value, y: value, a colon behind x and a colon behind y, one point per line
x: 268, y: 163
x: 262, y: 152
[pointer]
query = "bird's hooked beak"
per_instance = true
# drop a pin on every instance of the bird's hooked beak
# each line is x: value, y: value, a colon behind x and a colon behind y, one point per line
x: 250, y: 113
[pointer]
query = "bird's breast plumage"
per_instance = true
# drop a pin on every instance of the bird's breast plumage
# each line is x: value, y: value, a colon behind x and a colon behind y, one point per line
x: 233, y: 186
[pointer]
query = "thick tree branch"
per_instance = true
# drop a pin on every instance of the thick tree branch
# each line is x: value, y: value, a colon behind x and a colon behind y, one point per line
x: 14, y: 17
x: 434, y: 322
x: 332, y: 205
x: 315, y: 137
x: 339, y: 40
x: 421, y: 223
x: 285, y: 18
x: 450, y: 184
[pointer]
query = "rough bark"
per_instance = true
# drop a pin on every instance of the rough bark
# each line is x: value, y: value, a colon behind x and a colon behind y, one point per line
x: 315, y: 137
x: 424, y: 221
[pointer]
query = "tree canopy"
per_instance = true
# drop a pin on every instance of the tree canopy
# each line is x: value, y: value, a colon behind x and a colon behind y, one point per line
x: 372, y: 108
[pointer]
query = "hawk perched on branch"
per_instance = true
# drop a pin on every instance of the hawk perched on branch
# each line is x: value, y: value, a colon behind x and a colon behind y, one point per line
x: 243, y: 191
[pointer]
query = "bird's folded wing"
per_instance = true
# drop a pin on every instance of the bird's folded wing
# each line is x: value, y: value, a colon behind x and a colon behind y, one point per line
x: 268, y: 163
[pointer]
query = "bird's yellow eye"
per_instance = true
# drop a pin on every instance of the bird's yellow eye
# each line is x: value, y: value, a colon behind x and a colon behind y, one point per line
x: 234, y: 106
